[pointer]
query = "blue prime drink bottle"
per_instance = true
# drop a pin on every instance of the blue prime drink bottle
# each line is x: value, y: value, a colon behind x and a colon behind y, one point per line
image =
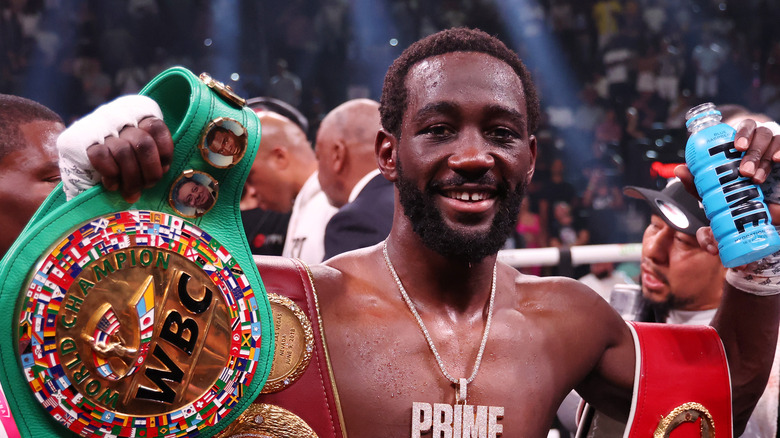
x: 734, y: 205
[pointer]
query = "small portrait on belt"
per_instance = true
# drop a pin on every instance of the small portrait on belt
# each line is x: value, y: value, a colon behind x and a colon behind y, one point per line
x: 193, y: 194
x: 224, y: 142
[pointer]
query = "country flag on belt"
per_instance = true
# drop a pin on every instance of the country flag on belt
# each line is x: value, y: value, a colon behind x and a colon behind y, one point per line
x: 243, y: 282
x: 146, y: 303
x: 257, y: 330
x: 62, y: 382
x: 145, y: 310
x: 50, y: 402
x: 107, y: 416
x: 223, y: 254
x: 108, y: 324
x: 192, y: 231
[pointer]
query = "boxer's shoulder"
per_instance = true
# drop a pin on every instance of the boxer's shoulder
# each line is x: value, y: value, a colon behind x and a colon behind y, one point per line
x: 564, y: 305
x: 357, y: 265
x: 558, y: 291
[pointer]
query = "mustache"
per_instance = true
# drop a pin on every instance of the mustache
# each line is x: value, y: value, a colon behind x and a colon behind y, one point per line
x: 649, y: 266
x: 502, y: 186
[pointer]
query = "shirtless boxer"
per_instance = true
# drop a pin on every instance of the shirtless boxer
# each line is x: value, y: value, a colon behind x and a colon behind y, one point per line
x: 458, y: 113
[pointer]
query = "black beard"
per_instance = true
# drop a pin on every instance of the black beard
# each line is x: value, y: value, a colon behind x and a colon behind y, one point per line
x: 428, y: 223
x: 658, y: 312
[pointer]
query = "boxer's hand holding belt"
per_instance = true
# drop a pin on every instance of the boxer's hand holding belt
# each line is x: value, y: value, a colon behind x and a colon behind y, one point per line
x: 124, y: 142
x: 120, y: 312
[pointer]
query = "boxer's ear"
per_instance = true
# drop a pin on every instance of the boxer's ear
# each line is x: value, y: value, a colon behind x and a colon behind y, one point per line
x: 386, y: 149
x: 532, y: 144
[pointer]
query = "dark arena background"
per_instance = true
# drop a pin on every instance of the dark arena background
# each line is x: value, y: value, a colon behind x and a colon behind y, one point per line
x: 615, y: 76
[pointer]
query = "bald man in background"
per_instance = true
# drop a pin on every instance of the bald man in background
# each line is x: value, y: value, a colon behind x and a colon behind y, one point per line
x: 283, y: 178
x: 350, y: 178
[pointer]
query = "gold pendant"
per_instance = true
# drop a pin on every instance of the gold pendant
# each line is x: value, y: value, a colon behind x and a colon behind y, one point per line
x: 456, y: 421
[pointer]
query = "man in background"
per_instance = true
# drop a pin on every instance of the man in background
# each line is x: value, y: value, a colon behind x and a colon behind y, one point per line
x: 28, y: 162
x: 283, y: 178
x: 683, y: 284
x: 350, y: 178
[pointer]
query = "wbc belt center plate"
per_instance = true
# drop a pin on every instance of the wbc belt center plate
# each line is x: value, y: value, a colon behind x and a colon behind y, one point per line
x: 138, y: 323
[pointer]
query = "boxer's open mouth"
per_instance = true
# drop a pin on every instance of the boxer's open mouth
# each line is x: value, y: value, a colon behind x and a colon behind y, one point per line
x: 468, y: 196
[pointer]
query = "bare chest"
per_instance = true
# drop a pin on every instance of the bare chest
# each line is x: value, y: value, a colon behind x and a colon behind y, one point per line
x: 391, y: 385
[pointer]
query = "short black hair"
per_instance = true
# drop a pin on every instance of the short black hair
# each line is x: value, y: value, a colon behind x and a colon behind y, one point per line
x: 212, y: 132
x: 14, y: 112
x: 394, y: 94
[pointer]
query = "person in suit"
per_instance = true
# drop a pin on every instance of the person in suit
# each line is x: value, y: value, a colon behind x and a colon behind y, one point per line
x: 283, y: 178
x: 350, y: 178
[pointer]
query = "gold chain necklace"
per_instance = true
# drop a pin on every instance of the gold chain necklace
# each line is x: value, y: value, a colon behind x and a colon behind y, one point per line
x: 460, y: 384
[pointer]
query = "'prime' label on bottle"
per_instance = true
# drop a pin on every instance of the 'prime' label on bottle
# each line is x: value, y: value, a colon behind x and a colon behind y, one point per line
x: 741, y: 195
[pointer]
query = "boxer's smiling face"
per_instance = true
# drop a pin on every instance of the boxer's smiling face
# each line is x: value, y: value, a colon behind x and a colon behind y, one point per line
x: 465, y: 155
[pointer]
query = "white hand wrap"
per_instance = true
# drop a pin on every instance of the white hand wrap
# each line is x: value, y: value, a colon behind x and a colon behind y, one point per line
x: 107, y: 120
x: 762, y: 277
x: 758, y: 278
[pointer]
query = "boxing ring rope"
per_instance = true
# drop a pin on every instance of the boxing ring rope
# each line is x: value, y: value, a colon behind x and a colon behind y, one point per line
x: 573, y: 256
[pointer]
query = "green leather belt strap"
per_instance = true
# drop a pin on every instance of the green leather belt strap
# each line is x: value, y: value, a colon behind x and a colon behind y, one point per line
x: 115, y: 304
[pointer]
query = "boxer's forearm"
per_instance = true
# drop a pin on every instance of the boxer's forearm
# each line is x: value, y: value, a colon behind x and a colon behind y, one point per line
x: 748, y: 326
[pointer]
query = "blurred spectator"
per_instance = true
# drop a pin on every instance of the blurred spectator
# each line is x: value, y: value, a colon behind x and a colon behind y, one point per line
x: 632, y: 23
x: 708, y: 57
x: 603, y: 277
x: 285, y: 85
x: 645, y: 111
x: 556, y: 189
x: 646, y: 69
x: 588, y: 114
x: 567, y: 229
x: 671, y: 66
x: 769, y: 92
x: 654, y: 15
x: 96, y: 83
x: 529, y: 233
x: 676, y: 117
x: 609, y: 129
x: 130, y: 78
x: 605, y: 13
x: 602, y: 203
x: 618, y: 58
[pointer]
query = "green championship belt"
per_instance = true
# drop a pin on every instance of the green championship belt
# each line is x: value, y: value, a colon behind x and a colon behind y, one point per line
x: 148, y: 319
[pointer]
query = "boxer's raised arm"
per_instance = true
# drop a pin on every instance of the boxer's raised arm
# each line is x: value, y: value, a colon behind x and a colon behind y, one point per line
x: 747, y: 319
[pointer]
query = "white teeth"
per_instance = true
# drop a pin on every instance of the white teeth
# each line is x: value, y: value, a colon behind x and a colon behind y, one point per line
x: 465, y: 196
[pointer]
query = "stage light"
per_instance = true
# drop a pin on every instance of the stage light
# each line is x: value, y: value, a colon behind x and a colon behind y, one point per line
x: 374, y: 49
x: 531, y: 37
